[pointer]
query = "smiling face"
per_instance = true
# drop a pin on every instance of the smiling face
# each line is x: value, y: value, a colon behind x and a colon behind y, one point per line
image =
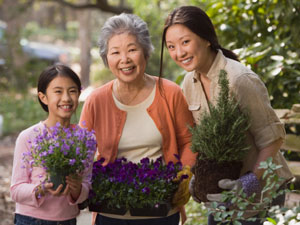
x: 187, y: 49
x: 126, y: 58
x: 61, y: 97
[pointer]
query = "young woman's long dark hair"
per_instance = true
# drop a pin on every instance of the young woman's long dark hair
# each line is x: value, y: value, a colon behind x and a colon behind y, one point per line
x: 199, y: 23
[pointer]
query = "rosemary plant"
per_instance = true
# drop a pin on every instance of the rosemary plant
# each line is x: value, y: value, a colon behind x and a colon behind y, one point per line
x: 221, y: 134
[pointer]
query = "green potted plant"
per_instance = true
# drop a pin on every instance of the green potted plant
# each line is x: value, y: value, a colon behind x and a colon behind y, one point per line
x: 145, y: 188
x: 61, y: 152
x: 220, y: 141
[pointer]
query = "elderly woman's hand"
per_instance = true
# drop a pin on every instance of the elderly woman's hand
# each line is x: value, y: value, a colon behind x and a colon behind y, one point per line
x: 182, y: 195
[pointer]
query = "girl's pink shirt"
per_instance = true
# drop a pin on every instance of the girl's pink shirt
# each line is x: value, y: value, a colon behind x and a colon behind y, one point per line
x: 24, y: 181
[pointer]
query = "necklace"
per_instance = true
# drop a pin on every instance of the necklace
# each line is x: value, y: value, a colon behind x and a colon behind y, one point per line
x: 133, y: 98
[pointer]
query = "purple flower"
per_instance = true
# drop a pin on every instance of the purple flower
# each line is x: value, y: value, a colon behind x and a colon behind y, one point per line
x: 72, y: 161
x: 51, y: 150
x: 83, y: 123
x: 146, y: 190
x: 145, y: 161
x: 65, y: 148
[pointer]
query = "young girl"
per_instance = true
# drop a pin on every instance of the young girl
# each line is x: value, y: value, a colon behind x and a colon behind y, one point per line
x: 58, y: 92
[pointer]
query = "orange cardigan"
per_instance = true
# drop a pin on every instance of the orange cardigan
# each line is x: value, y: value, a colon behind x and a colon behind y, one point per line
x: 170, y: 114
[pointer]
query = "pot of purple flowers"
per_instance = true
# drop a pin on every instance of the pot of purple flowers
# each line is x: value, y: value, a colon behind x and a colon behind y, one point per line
x: 145, y: 188
x: 62, y: 152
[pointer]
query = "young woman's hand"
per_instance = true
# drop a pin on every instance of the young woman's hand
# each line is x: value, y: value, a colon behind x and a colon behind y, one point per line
x: 74, y: 184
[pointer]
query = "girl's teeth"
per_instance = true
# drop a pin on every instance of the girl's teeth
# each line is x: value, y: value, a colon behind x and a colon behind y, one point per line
x: 187, y: 60
x: 66, y: 106
x: 127, y: 69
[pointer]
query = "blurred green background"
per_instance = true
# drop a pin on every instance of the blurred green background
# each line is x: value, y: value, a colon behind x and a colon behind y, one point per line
x: 263, y: 33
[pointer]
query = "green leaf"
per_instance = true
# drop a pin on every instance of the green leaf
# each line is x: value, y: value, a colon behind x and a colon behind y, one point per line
x: 236, y: 222
x: 272, y: 220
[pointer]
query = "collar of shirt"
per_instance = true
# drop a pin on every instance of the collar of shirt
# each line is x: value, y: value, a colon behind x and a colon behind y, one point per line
x: 213, y: 73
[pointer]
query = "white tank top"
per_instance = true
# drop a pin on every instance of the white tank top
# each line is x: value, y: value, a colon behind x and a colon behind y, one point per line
x: 140, y: 136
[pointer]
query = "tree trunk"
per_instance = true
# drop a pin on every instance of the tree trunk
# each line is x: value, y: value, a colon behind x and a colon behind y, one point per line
x: 13, y: 15
x: 85, y: 41
x: 63, y: 18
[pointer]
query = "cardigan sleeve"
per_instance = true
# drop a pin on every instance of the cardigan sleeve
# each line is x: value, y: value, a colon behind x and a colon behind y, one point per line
x: 87, y: 116
x: 183, y: 119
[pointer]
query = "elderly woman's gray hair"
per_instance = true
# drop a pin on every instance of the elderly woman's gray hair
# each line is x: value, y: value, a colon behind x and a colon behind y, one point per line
x: 125, y: 23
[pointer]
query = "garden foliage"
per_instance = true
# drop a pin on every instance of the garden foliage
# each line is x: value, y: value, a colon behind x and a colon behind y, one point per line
x: 235, y: 205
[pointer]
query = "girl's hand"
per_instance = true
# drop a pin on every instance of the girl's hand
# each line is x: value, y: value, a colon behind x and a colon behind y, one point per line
x: 74, y: 184
x: 58, y: 191
x: 42, y: 190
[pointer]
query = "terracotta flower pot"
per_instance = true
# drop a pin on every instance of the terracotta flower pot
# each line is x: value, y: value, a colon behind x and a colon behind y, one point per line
x: 159, y: 210
x: 208, y: 173
x: 104, y: 209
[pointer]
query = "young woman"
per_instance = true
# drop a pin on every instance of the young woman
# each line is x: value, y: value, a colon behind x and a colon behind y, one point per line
x: 58, y: 91
x: 192, y: 43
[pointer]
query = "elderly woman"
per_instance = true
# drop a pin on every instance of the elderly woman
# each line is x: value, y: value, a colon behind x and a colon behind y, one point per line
x: 136, y: 115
